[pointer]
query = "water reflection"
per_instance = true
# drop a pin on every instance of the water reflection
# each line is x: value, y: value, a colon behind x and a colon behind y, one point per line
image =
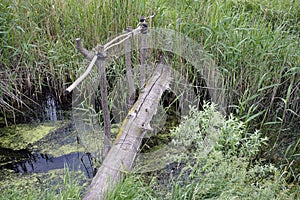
x: 42, y: 163
x: 50, y: 108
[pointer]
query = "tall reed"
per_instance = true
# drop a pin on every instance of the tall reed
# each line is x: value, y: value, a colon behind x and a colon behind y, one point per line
x: 254, y: 43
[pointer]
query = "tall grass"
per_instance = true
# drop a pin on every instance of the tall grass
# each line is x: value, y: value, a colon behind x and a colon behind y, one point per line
x: 37, y: 40
x: 254, y: 43
x: 226, y: 171
x: 67, y: 188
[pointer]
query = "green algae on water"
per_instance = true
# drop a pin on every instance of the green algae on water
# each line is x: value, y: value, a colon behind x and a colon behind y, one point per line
x: 20, y: 136
x: 49, y: 138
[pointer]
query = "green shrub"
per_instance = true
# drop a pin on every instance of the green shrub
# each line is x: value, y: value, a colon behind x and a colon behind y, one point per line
x: 221, y: 166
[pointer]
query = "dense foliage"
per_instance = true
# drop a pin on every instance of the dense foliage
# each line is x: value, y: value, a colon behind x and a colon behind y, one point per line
x: 255, y: 45
x: 225, y: 169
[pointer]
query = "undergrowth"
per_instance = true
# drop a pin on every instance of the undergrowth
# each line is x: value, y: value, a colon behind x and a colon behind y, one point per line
x: 219, y: 164
x: 226, y: 169
x: 67, y: 188
x: 255, y: 45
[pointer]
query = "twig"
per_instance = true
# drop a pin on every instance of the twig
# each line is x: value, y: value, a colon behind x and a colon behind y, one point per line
x: 82, y: 77
x: 115, y: 39
x: 115, y: 44
x: 143, y: 52
x: 87, y: 54
x: 128, y: 35
x: 151, y: 16
x: 129, y: 74
x: 104, y: 98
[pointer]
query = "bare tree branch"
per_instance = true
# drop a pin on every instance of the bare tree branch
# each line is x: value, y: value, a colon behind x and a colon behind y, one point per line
x: 89, y: 55
x: 83, y: 76
x: 104, y: 98
x: 129, y: 74
x: 143, y: 52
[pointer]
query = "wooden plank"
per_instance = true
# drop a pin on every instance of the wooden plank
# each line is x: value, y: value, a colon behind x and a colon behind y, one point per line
x: 121, y: 156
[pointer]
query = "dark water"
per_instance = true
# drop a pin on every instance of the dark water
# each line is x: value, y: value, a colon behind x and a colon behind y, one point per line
x: 23, y: 161
x: 50, y: 108
x: 47, y: 108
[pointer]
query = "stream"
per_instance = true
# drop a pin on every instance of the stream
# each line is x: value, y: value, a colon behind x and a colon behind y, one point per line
x: 48, y: 144
x: 24, y: 161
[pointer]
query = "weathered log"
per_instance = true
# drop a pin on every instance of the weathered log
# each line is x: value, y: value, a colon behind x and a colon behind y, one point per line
x: 121, y: 156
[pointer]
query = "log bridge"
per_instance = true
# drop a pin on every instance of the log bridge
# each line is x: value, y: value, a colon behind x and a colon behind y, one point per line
x: 121, y: 155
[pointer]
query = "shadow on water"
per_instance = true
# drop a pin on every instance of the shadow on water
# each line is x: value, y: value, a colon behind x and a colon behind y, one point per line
x: 50, y: 108
x: 23, y: 161
x: 46, y: 108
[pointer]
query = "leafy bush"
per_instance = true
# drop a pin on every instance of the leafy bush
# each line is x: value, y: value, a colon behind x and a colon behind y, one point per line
x: 218, y: 163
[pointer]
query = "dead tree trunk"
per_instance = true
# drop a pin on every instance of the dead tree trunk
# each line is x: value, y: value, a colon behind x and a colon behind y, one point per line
x: 143, y: 52
x: 122, y: 154
x: 104, y: 98
x: 129, y: 73
x: 98, y: 59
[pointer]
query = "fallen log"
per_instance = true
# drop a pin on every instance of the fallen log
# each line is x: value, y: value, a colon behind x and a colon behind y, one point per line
x: 120, y: 158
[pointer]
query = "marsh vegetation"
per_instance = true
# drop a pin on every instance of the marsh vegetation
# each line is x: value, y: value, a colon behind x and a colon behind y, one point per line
x: 255, y: 45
